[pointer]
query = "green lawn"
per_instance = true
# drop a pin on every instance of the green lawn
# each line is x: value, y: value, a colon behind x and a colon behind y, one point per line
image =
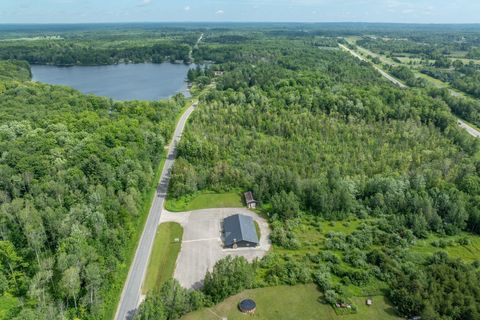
x: 292, y: 303
x: 257, y: 229
x: 7, y: 303
x: 164, y: 255
x: 205, y: 200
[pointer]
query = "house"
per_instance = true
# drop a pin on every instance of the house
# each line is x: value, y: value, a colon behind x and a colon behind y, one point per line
x: 251, y: 203
x: 239, y: 231
x: 218, y: 73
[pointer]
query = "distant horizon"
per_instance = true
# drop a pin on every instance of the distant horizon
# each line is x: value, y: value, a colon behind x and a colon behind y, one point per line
x: 239, y: 22
x: 239, y: 11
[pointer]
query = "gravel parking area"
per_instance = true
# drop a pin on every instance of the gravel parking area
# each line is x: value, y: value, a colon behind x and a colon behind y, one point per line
x: 202, y: 246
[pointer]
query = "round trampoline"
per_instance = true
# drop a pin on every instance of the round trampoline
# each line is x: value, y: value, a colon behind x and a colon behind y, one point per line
x: 247, y: 306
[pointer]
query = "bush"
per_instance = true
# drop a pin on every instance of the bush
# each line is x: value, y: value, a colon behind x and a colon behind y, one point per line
x: 329, y: 256
x: 359, y: 277
x: 464, y: 241
x: 285, y: 205
x: 322, y: 280
x: 442, y: 243
x: 171, y: 302
x: 283, y: 236
x: 355, y: 257
x: 229, y: 276
x: 3, y: 283
x: 331, y: 296
x: 289, y: 272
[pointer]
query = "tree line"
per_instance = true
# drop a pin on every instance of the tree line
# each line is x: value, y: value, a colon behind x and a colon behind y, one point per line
x: 95, y: 52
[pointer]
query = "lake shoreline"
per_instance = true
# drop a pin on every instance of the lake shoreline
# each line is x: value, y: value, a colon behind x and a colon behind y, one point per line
x: 122, y: 81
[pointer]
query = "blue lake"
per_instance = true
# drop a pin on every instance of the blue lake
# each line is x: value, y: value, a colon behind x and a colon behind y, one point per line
x: 146, y: 81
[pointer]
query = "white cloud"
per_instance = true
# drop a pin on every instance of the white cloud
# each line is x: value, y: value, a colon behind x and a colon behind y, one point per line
x: 145, y: 3
x: 187, y: 8
x: 220, y: 12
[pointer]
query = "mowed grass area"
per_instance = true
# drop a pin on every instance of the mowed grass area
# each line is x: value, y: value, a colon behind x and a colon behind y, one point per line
x: 257, y: 230
x: 205, y: 200
x: 292, y: 303
x: 164, y: 255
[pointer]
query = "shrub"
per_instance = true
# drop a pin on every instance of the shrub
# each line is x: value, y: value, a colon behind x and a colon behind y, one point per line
x: 322, y: 279
x: 229, y: 276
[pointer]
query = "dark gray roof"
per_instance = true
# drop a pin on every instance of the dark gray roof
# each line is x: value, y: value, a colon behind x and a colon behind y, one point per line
x: 249, y: 197
x: 239, y: 228
x: 247, y: 305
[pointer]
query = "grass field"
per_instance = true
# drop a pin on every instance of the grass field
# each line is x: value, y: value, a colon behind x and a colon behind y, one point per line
x: 257, y: 229
x: 466, y: 61
x: 164, y: 255
x: 205, y: 200
x: 7, y: 303
x: 312, y: 235
x: 292, y: 303
x: 467, y: 253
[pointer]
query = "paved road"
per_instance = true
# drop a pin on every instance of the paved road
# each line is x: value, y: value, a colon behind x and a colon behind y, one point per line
x: 383, y: 73
x: 130, y: 298
x: 190, y: 53
x: 471, y: 130
x: 198, y: 41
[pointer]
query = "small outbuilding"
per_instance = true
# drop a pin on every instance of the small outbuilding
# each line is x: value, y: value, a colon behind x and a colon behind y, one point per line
x: 369, y: 302
x: 239, y: 231
x: 251, y: 203
x: 247, y: 306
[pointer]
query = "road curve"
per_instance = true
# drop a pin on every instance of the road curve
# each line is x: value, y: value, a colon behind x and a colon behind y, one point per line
x: 471, y: 130
x: 130, y: 297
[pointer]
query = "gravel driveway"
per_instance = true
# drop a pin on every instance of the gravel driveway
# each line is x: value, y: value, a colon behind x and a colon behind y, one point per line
x: 202, y: 246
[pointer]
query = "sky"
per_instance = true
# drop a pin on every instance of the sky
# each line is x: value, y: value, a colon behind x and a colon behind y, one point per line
x: 85, y: 11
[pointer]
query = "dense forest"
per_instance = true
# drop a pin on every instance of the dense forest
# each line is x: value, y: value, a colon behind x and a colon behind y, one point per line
x: 433, y: 45
x: 75, y: 173
x: 101, y: 48
x: 66, y: 53
x: 318, y: 137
